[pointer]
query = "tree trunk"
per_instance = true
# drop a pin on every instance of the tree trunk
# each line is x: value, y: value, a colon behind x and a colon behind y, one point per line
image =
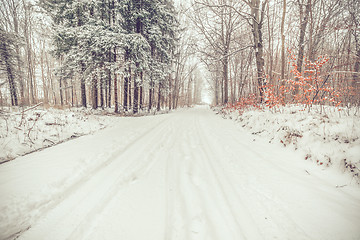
x: 10, y: 73
x: 216, y: 92
x: 82, y: 64
x: 115, y: 85
x: 109, y: 83
x: 170, y: 91
x: 225, y: 78
x: 82, y: 85
x: 231, y: 85
x: 258, y: 43
x: 136, y: 96
x: 150, y: 96
x: 126, y: 85
x: 356, y: 75
x: 45, y: 88
x: 283, y: 44
x: 303, y: 24
x: 138, y: 74
x: 116, y: 94
x: 17, y: 49
x: 189, y: 95
x: 94, y: 92
x: 50, y: 78
x: 141, y: 91
x: 101, y: 92
x: 270, y: 54
x: 28, y: 51
x: 61, y: 91
x: 159, y: 98
x: 130, y: 88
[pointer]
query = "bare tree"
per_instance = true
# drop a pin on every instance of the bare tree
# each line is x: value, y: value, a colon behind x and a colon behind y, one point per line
x: 283, y: 43
x: 217, y: 22
x: 353, y: 8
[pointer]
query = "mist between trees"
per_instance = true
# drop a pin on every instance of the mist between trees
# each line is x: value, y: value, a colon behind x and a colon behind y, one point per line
x: 137, y: 55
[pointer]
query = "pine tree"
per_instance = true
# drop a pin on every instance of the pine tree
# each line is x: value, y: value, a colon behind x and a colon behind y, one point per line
x: 68, y: 17
x: 158, y: 26
x: 8, y: 61
x: 87, y: 34
x: 85, y: 37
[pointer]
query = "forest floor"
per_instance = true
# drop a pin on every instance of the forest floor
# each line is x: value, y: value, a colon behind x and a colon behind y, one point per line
x: 188, y: 174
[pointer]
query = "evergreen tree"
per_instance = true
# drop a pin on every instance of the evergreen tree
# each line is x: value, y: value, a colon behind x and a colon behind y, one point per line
x: 154, y: 21
x: 68, y: 17
x: 84, y: 37
x: 87, y: 34
x: 8, y: 61
x: 160, y: 32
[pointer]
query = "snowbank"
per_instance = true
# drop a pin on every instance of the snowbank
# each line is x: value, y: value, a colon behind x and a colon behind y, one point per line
x: 325, y: 135
x: 22, y: 132
x: 33, y: 184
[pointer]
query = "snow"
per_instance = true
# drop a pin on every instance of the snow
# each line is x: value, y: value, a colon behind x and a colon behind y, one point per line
x: 25, y: 132
x: 185, y: 175
x: 324, y: 135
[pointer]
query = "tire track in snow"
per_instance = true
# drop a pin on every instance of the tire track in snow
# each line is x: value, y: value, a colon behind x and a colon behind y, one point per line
x: 193, y: 177
x: 177, y: 211
x: 198, y: 219
x: 62, y: 187
x: 133, y: 174
x: 57, y: 216
x: 206, y: 209
x: 187, y: 216
x: 239, y: 223
x: 256, y: 200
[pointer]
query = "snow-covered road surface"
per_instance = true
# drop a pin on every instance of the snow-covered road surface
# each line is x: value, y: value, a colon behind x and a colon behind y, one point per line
x: 185, y: 175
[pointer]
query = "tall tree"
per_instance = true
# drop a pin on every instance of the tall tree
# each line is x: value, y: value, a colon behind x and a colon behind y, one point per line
x: 283, y: 43
x: 68, y: 18
x: 150, y: 27
x: 304, y: 9
x: 8, y: 61
x: 353, y: 8
x: 257, y: 15
x: 217, y: 22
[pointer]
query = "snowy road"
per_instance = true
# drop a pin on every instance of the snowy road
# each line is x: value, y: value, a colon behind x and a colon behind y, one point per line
x: 181, y: 176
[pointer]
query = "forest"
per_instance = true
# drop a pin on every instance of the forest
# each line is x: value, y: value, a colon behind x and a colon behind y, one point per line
x: 133, y: 55
x: 179, y: 119
x: 279, y: 52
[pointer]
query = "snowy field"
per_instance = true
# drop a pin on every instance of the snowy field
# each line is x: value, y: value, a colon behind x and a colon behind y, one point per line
x: 189, y: 174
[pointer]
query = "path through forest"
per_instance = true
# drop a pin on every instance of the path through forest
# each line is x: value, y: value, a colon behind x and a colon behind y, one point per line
x: 185, y: 175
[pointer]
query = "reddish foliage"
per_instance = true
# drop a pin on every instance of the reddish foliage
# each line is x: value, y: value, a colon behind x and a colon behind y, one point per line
x: 243, y: 104
x: 312, y: 86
